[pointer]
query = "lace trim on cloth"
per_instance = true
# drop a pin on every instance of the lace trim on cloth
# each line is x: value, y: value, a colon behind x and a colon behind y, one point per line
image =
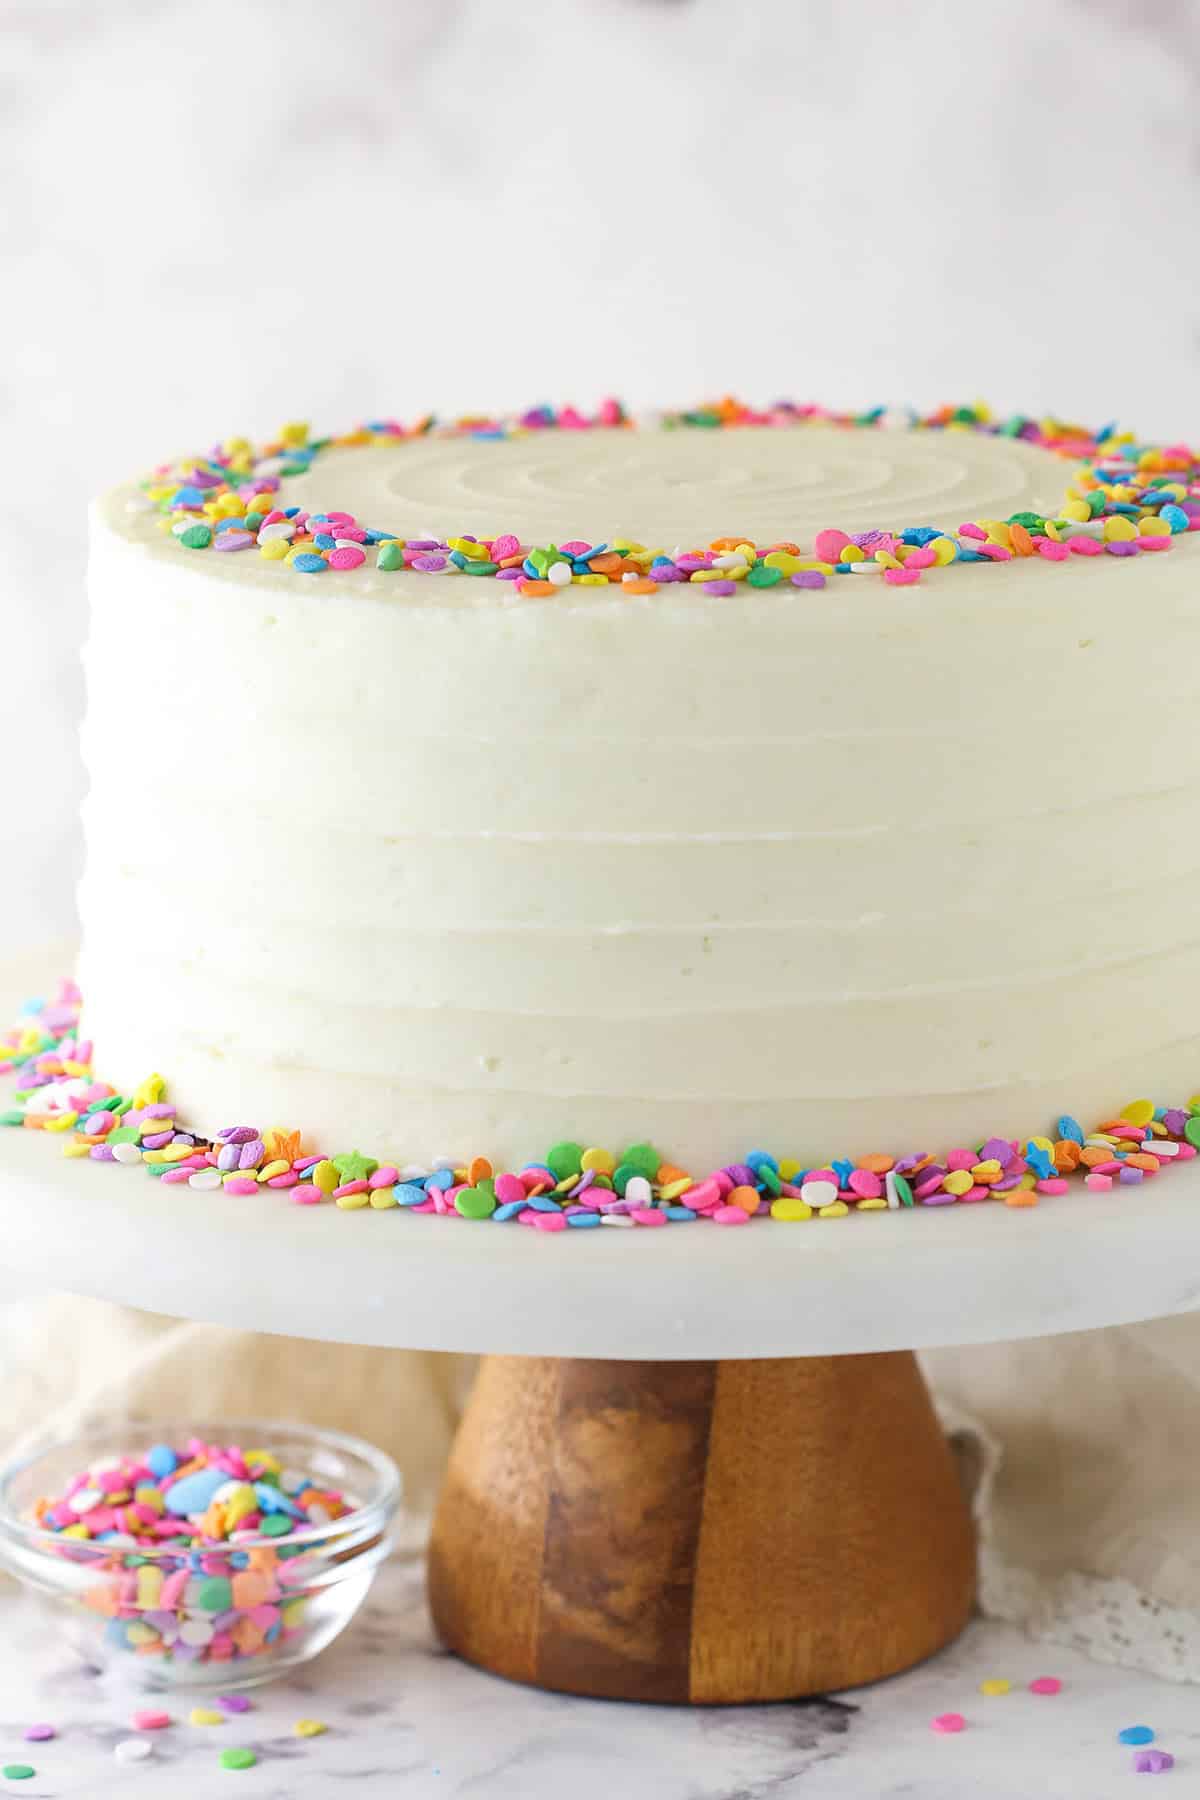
x: 1107, y: 1618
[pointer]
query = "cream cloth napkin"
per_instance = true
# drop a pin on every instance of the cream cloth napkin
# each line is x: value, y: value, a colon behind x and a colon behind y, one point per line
x: 1082, y: 1452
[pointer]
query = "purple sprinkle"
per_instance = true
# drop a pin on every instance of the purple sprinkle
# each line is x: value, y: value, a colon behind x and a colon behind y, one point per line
x: 808, y: 578
x: 431, y: 565
x: 160, y: 1110
x: 1129, y: 1177
x: 941, y: 1198
x: 666, y: 572
x: 1009, y: 1182
x: 37, y: 1734
x: 1175, y: 1120
x: 252, y: 1153
x: 997, y: 1150
x: 100, y: 1153
x: 237, y: 1134
x: 1122, y: 547
x: 157, y: 1140
x: 228, y: 1156
x: 509, y: 574
x: 1153, y: 1762
x: 234, y: 1703
x: 424, y: 544
x: 721, y: 589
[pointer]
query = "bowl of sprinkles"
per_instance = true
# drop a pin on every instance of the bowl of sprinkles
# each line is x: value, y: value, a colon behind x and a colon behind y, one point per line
x: 206, y: 1555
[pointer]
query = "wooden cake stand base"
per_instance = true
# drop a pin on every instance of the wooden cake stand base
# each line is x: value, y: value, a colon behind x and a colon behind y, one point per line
x: 705, y: 1532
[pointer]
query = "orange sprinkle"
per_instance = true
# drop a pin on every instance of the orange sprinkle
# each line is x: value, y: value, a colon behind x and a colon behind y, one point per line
x: 1093, y: 1154
x: 639, y: 587
x: 876, y: 1163
x: 608, y: 563
x: 1020, y: 539
x: 480, y: 1170
x: 1021, y: 1197
x: 537, y: 590
x: 745, y: 1197
x: 1142, y: 1159
x: 1066, y: 1156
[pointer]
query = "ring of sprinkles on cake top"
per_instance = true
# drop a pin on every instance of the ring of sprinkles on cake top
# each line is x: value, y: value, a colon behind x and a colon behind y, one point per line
x: 570, y: 1184
x: 1124, y: 499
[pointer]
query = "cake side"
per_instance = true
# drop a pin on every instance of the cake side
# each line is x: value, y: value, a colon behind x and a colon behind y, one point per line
x: 904, y: 866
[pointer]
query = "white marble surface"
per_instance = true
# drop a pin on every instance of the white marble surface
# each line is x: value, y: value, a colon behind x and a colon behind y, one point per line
x: 407, y: 1720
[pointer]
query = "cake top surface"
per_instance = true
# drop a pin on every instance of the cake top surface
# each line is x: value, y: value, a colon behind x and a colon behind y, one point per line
x: 544, y: 501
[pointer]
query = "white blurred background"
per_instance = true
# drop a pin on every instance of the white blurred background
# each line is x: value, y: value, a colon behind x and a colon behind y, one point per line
x: 217, y: 218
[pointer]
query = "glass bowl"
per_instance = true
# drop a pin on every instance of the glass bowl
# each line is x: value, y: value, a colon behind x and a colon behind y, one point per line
x: 299, y: 1590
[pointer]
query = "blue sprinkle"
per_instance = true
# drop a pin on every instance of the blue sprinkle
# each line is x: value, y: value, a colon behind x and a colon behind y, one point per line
x: 1070, y: 1129
x: 920, y: 534
x: 324, y: 540
x: 291, y: 512
x: 1135, y: 1734
x: 586, y: 1219
x: 843, y: 1168
x: 162, y: 1460
x: 458, y: 559
x: 188, y: 496
x: 1039, y: 1161
x: 682, y: 1214
x: 441, y: 1178
x: 509, y: 1210
x: 971, y: 556
x: 309, y: 564
x: 1176, y: 518
x: 543, y: 1203
x: 757, y: 1159
x: 409, y: 1194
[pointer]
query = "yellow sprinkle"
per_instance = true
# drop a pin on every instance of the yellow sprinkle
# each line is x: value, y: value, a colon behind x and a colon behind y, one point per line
x: 783, y: 560
x: 591, y: 580
x: 294, y: 433
x: 77, y: 1147
x: 877, y: 1204
x: 352, y: 1202
x: 149, y: 1586
x: 199, y: 1715
x: 790, y: 1206
x: 75, y: 1531
x: 673, y: 1189
x: 1043, y: 1143
x: 1118, y: 529
x: 263, y: 1459
x: 71, y: 1067
x: 274, y: 549
x: 309, y: 1727
x: 853, y: 553
x: 998, y: 532
x: 1138, y: 1112
x: 382, y: 1198
x: 137, y: 1633
x: 789, y: 1168
x: 888, y: 560
x: 269, y: 1170
x: 987, y: 1171
x: 61, y: 1122
x: 325, y: 1177
x: 837, y: 1209
x: 944, y: 550
x: 997, y: 1685
x: 959, y: 1181
x: 1153, y: 526
x: 602, y: 1161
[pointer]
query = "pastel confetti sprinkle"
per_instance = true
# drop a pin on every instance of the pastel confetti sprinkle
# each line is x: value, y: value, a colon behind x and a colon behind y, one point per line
x: 1135, y: 1734
x: 18, y: 1771
x: 204, y: 1715
x: 134, y: 1749
x: 148, y: 1720
x: 1124, y: 498
x: 208, y: 1585
x: 233, y: 1703
x: 307, y: 1728
x: 1046, y: 1684
x: 568, y: 1184
x: 1152, y: 1762
x: 995, y: 1686
x: 238, y: 1759
x: 948, y: 1723
x: 39, y: 1734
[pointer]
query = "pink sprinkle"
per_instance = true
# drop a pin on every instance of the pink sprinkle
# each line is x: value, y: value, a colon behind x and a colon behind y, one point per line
x: 554, y: 1221
x: 38, y: 1734
x: 306, y: 1194
x: 649, y: 1215
x: 904, y: 577
x: 241, y: 1184
x: 146, y: 1720
x: 509, y: 1188
x: 921, y: 558
x: 948, y: 1722
x: 505, y: 546
x: 1054, y: 552
x: 730, y: 1215
x: 1084, y: 546
x: 1045, y: 1684
x: 385, y: 1176
x: 1095, y: 1180
x: 346, y: 556
x: 829, y: 545
x: 1053, y: 1184
x: 350, y: 1187
x: 865, y: 1184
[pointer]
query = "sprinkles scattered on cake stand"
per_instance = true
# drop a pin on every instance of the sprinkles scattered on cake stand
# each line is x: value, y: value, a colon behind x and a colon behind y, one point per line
x: 1124, y: 499
x: 572, y: 1184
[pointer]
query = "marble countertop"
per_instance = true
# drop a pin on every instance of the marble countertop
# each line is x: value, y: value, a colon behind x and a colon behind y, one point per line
x: 409, y: 1720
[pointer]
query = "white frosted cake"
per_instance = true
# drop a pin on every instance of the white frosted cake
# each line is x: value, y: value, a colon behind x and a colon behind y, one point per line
x: 438, y: 856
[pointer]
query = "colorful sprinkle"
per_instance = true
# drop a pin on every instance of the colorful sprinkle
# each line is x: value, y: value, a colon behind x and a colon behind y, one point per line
x: 1046, y: 1684
x: 1135, y: 1734
x: 566, y: 1185
x: 948, y: 1723
x: 238, y: 1759
x: 1152, y: 1762
x: 229, y: 499
x: 307, y: 1728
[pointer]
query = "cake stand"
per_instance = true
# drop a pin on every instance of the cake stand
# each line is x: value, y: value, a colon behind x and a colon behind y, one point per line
x: 699, y: 1464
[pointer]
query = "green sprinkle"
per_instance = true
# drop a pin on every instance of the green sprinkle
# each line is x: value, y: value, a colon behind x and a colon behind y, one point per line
x: 564, y: 1159
x: 276, y: 1525
x: 215, y: 1594
x: 196, y: 537
x: 235, y: 1759
x: 480, y: 568
x: 475, y: 1203
x: 761, y: 576
x: 903, y: 1190
x: 124, y: 1134
x: 642, y: 1159
x: 391, y: 556
x: 351, y: 1165
x: 17, y: 1771
x: 15, y: 1117
x: 1191, y: 1130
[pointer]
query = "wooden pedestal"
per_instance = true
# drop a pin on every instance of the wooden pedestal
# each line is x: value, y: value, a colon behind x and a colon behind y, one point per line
x: 700, y: 1531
